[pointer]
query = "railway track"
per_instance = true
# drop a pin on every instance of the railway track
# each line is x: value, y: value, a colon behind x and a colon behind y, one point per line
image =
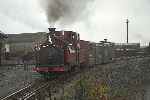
x: 30, y: 94
x: 15, y: 93
x: 26, y: 92
x: 31, y: 91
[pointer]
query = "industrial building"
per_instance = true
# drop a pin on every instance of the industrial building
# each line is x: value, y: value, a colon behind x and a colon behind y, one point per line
x: 17, y: 46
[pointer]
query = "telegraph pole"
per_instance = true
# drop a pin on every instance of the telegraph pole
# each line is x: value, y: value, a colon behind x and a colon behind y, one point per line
x: 127, y: 21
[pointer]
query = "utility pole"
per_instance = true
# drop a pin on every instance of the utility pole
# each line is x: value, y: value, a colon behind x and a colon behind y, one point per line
x: 127, y: 21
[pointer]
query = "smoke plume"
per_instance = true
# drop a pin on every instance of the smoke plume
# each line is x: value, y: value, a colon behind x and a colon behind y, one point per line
x: 65, y: 11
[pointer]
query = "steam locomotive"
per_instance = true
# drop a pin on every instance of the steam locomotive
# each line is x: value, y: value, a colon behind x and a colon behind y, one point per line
x: 64, y: 51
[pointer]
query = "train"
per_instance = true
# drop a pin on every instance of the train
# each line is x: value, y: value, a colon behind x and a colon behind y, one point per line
x: 64, y: 51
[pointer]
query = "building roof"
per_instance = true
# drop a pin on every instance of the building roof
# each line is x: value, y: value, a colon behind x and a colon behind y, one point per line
x: 25, y: 37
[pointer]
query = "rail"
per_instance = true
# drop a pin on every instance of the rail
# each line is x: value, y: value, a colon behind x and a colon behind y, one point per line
x: 15, y: 93
x: 26, y: 92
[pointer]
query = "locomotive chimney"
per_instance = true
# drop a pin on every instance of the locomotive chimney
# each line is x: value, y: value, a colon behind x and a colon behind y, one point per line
x: 51, y: 33
x: 51, y: 29
x: 105, y: 40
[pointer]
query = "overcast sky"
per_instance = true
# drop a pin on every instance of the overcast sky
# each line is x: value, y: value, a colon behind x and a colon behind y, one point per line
x: 106, y: 19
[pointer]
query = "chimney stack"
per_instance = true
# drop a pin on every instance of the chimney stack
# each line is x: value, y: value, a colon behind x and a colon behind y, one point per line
x: 50, y: 34
x: 51, y: 29
x: 105, y: 40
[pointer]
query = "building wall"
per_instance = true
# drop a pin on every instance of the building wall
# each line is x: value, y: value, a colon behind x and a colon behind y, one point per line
x: 21, y: 47
x: 23, y: 43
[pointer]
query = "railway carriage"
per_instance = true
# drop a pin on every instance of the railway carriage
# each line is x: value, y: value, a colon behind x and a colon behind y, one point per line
x: 101, y: 53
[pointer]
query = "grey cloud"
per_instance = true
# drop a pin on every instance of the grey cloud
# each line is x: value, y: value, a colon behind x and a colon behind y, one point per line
x: 24, y: 12
x: 93, y: 19
x: 65, y: 11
